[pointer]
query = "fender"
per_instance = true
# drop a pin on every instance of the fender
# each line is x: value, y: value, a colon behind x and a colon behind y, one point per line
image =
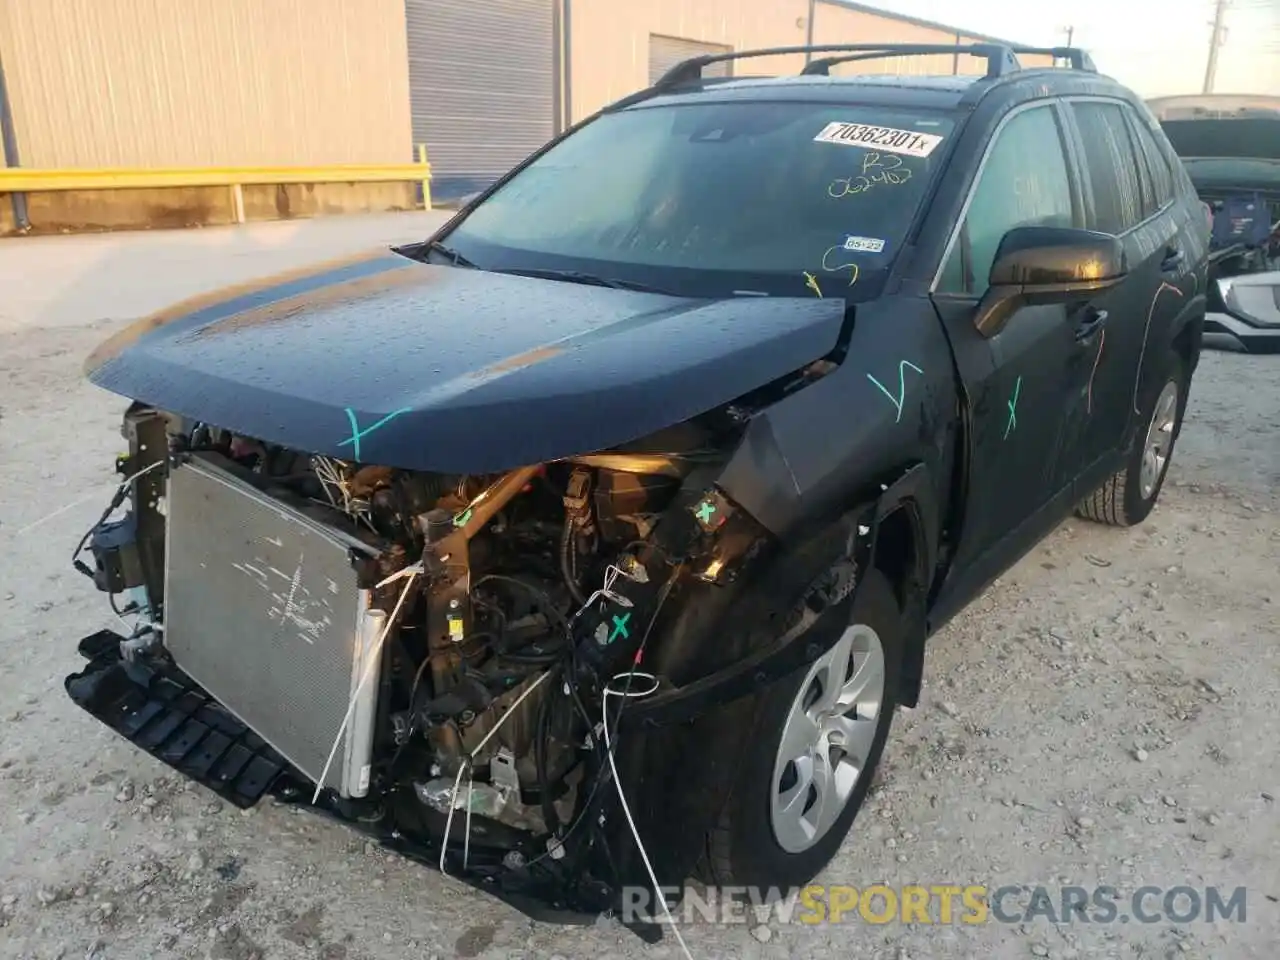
x: 875, y: 541
x: 663, y: 734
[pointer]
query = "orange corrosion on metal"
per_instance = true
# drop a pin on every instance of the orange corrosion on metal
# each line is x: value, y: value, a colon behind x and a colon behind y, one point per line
x: 113, y: 345
x: 527, y: 359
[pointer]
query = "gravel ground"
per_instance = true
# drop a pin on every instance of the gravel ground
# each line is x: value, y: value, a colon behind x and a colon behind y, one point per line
x: 1108, y: 713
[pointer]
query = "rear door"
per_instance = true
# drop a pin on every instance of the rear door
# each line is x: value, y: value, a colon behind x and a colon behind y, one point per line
x: 1127, y: 196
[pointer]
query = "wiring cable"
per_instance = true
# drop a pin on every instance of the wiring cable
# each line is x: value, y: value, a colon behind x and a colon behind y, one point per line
x: 468, y: 766
x: 557, y: 843
x: 626, y: 694
x: 117, y: 498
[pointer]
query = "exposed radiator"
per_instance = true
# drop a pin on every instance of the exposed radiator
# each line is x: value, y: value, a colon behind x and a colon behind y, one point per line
x: 263, y: 610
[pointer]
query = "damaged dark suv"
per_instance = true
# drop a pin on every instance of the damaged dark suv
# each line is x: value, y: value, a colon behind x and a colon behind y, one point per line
x: 593, y: 542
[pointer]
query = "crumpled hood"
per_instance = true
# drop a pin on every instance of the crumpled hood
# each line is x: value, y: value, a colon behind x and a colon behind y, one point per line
x: 387, y: 360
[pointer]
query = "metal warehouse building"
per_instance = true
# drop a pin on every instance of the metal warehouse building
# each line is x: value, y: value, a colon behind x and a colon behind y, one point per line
x: 248, y: 83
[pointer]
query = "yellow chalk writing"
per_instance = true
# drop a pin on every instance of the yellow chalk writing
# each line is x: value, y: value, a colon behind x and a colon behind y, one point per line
x: 876, y: 169
x: 851, y: 266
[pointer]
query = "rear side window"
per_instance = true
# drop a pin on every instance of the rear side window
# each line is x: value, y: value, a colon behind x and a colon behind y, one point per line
x: 1024, y: 182
x: 1113, y: 167
x: 1158, y: 183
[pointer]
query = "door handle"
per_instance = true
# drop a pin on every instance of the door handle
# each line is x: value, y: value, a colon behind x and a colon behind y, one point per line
x: 1091, y: 321
x: 1173, y: 259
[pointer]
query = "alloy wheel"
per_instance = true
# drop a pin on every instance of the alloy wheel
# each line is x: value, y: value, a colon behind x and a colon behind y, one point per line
x: 826, y: 739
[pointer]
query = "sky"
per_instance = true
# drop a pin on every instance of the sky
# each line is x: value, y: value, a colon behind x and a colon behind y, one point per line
x: 1156, y: 47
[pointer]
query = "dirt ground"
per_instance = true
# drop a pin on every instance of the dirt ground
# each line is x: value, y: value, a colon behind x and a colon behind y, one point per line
x: 1109, y: 713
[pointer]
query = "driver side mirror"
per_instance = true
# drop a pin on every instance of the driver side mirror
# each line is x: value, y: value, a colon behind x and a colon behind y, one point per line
x: 1035, y: 266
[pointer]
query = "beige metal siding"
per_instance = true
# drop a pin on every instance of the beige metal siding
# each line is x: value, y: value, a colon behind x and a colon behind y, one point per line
x: 974, y: 66
x: 666, y: 52
x: 833, y: 23
x: 610, y: 40
x: 609, y: 47
x: 218, y: 82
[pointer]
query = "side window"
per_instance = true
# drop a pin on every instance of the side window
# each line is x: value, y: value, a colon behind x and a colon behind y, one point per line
x: 1150, y: 204
x: 1113, y: 166
x: 1160, y: 176
x: 1023, y: 183
x: 1179, y: 182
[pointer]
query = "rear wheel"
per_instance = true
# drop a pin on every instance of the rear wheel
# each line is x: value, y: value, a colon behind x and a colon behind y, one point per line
x: 817, y: 741
x: 1129, y: 496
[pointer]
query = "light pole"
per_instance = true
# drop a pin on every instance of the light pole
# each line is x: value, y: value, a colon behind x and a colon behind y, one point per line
x: 1215, y: 41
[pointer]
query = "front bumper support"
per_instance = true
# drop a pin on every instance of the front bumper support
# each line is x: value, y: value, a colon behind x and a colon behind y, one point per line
x: 175, y: 721
x: 169, y: 716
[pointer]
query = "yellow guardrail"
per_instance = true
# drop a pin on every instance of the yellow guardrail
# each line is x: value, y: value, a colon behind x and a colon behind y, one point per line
x: 24, y: 180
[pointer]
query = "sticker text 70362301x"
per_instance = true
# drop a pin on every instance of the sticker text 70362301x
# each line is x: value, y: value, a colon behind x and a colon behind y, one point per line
x: 888, y: 139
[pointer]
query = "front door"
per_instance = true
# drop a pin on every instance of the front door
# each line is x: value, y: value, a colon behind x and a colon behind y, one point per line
x: 1020, y: 382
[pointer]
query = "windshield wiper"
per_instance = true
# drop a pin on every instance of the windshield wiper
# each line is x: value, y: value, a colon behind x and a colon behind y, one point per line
x: 454, y: 257
x: 589, y: 279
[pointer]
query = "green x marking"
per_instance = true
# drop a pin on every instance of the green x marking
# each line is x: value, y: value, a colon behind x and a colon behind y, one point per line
x: 620, y: 627
x: 705, y: 510
x: 1013, y: 409
x: 461, y: 519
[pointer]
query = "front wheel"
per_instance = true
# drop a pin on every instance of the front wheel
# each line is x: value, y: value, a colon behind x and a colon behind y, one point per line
x: 1128, y: 497
x: 818, y: 739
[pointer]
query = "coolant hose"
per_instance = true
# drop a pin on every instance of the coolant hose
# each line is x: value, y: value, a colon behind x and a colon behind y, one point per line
x: 567, y: 546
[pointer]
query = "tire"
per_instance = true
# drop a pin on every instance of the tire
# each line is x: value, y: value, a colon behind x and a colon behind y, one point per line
x: 746, y: 847
x: 1128, y: 496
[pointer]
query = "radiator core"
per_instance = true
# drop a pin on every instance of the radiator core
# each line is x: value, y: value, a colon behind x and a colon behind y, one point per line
x: 262, y: 609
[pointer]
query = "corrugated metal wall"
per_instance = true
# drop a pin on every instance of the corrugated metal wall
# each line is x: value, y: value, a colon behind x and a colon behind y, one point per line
x: 220, y: 82
x: 666, y: 52
x: 610, y: 46
x: 482, y: 84
x: 834, y: 23
x: 225, y: 82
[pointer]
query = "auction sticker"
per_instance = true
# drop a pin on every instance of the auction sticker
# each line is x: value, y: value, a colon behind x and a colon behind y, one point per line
x: 864, y: 244
x: 907, y: 142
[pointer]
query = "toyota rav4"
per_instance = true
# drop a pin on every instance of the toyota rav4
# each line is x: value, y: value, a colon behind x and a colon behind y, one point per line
x: 593, y: 541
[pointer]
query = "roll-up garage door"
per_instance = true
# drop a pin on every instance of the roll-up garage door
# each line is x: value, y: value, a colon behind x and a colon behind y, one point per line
x: 666, y: 52
x: 481, y: 86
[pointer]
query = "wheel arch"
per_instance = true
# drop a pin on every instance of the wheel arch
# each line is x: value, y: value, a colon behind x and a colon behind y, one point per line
x: 1188, y: 332
x: 887, y: 526
x: 905, y: 550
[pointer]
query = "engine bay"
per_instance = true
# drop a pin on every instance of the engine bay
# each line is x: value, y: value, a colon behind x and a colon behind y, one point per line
x: 503, y: 626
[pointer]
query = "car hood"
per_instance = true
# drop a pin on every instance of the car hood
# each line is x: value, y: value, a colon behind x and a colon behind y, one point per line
x: 388, y: 360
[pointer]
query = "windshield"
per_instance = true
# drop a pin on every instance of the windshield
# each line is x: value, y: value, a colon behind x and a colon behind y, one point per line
x: 718, y: 199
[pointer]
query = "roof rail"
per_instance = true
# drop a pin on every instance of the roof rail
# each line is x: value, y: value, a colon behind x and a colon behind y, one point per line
x: 1000, y: 58
x: 1079, y: 59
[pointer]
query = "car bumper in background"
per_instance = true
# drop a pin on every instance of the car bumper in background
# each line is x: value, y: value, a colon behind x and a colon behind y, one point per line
x: 1249, y: 321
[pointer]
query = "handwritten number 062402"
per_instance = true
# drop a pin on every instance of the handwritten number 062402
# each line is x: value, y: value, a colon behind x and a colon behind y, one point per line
x: 876, y: 168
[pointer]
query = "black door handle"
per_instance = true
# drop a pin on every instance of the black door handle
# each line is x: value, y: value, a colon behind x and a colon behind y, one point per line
x: 1172, y: 260
x: 1091, y: 321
